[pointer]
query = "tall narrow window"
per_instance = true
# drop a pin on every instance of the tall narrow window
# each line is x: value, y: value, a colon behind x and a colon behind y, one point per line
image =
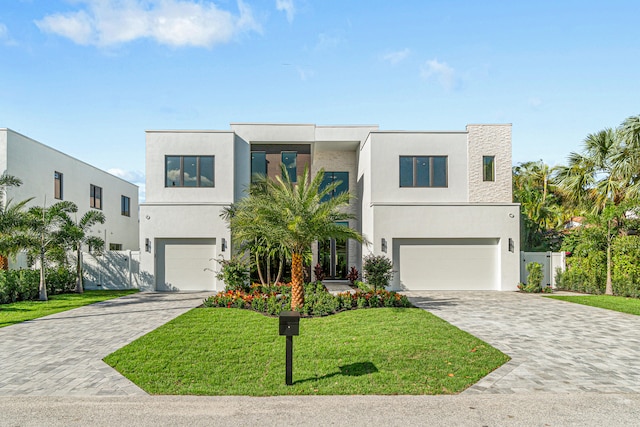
x: 330, y: 178
x: 488, y: 168
x: 423, y: 171
x: 289, y: 160
x: 57, y: 185
x: 95, y: 196
x: 258, y: 164
x: 189, y: 171
x: 125, y: 206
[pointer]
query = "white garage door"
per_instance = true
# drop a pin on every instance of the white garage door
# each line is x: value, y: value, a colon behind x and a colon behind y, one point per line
x: 185, y: 264
x: 447, y: 264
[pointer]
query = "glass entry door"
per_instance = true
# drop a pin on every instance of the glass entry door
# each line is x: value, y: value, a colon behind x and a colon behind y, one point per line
x: 332, y: 255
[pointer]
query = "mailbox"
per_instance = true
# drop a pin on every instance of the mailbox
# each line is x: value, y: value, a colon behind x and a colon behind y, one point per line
x: 289, y: 323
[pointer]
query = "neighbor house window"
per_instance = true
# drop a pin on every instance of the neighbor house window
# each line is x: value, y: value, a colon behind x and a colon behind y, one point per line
x: 57, y: 185
x: 125, y: 206
x: 330, y: 178
x: 289, y: 160
x: 115, y: 246
x: 488, y: 168
x: 423, y: 171
x: 258, y: 164
x: 95, y: 196
x: 189, y: 171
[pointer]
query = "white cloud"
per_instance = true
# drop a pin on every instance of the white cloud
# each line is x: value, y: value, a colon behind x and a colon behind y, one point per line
x: 4, y: 32
x: 328, y: 41
x: 441, y: 71
x: 535, y: 102
x: 168, y: 22
x: 395, y: 57
x: 288, y: 7
x: 135, y: 177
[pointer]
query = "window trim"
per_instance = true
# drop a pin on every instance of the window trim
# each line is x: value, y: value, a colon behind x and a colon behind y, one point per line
x: 485, y: 177
x: 199, y: 158
x: 125, y: 208
x: 431, y: 171
x: 58, y: 183
x: 95, y: 196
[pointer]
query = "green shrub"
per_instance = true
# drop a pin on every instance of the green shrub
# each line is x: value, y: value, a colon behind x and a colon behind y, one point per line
x: 235, y: 274
x: 378, y: 270
x: 22, y: 285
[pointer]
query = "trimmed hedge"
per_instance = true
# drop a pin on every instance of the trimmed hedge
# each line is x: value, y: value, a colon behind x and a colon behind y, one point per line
x: 22, y: 285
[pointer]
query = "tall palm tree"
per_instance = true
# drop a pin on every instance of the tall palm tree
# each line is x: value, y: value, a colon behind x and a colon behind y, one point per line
x: 76, y: 233
x: 11, y: 216
x: 293, y: 215
x: 43, y: 235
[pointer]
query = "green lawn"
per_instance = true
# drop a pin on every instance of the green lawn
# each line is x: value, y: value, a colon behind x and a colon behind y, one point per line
x: 17, y: 312
x: 622, y: 304
x: 220, y: 351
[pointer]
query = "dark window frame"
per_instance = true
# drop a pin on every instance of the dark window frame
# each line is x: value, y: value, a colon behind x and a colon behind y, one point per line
x: 95, y: 196
x: 125, y: 205
x: 336, y: 191
x: 58, y: 182
x: 255, y: 174
x: 488, y: 168
x: 431, y: 169
x: 294, y: 177
x: 199, y: 166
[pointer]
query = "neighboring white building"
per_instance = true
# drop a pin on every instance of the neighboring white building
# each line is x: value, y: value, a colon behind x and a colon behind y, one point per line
x: 49, y: 174
x: 438, y: 204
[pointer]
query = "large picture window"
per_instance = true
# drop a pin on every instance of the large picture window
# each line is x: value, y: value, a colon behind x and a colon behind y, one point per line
x: 125, y: 206
x: 330, y: 178
x: 57, y: 185
x: 488, y: 168
x: 189, y: 171
x: 95, y: 196
x: 258, y: 164
x: 423, y: 171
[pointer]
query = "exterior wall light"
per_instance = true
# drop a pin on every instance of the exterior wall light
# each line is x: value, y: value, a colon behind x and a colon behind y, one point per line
x: 511, y: 245
x: 383, y: 245
x: 147, y: 245
x: 224, y: 244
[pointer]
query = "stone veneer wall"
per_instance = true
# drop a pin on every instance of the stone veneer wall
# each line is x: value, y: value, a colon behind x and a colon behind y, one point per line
x: 341, y: 161
x: 490, y: 140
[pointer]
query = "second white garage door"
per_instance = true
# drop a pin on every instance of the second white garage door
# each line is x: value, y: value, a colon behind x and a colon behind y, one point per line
x: 447, y: 264
x: 185, y: 264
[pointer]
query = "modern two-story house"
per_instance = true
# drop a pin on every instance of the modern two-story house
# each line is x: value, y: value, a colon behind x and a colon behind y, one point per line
x: 50, y: 176
x: 438, y: 204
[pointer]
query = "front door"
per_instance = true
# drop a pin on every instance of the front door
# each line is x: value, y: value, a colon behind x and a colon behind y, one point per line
x: 332, y: 255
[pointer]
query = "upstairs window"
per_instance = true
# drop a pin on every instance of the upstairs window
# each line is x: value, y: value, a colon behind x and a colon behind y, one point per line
x: 189, y: 171
x: 95, y: 196
x: 258, y: 164
x: 330, y: 178
x: 488, y: 168
x: 57, y: 185
x: 125, y: 204
x: 289, y: 160
x: 423, y: 171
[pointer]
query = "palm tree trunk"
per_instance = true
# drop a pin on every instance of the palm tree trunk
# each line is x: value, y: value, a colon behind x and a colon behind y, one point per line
x: 259, y: 269
x: 43, y: 283
x: 280, y: 269
x: 268, y: 269
x: 297, y: 280
x: 79, y: 271
x: 609, y: 287
x: 4, y: 262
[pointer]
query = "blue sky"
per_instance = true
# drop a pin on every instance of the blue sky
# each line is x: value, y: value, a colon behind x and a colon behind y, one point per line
x: 88, y: 77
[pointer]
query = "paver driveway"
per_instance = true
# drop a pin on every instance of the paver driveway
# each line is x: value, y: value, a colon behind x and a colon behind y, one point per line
x: 555, y: 346
x: 62, y: 354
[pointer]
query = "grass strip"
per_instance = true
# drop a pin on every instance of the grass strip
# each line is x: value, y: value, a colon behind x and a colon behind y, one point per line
x: 220, y: 351
x: 21, y: 311
x: 621, y: 304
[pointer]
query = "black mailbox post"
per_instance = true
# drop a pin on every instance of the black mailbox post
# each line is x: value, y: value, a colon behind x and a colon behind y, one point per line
x: 289, y: 326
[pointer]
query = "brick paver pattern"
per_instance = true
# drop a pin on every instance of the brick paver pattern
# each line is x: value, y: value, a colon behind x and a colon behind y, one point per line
x: 555, y: 346
x: 61, y: 354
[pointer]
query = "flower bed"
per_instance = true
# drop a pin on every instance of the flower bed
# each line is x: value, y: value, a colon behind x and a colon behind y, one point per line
x: 272, y: 300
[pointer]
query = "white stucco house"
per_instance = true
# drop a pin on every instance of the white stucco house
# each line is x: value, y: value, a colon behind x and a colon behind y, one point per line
x: 52, y: 176
x: 439, y: 204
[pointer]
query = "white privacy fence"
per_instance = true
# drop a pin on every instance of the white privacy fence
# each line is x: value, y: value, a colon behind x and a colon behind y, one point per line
x: 550, y: 261
x: 112, y: 270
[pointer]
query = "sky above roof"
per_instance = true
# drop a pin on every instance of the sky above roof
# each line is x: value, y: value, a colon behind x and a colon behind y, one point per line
x: 88, y: 77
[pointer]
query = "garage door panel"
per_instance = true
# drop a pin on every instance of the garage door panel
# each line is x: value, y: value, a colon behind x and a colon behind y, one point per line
x: 436, y: 265
x: 185, y: 264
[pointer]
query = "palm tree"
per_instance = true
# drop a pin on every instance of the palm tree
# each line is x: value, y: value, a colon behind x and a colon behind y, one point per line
x: 11, y: 216
x: 293, y: 215
x: 43, y: 235
x: 76, y: 234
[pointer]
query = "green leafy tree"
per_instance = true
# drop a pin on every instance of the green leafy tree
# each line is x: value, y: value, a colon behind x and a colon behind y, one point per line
x: 378, y: 270
x: 293, y: 215
x: 75, y: 234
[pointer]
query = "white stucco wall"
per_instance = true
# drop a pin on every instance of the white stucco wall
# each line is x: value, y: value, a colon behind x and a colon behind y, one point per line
x: 35, y: 163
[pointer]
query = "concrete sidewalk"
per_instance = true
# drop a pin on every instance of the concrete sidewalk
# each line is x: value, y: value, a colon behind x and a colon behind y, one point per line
x: 555, y: 346
x: 61, y: 354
